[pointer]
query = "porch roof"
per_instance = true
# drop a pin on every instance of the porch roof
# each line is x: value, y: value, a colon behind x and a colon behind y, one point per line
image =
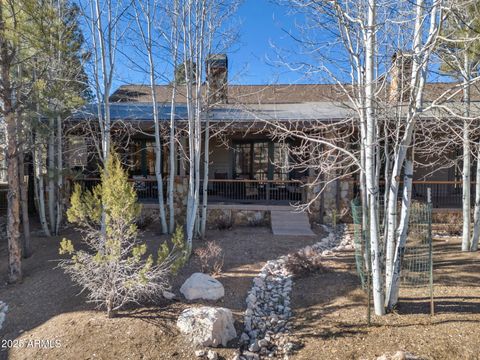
x: 311, y: 111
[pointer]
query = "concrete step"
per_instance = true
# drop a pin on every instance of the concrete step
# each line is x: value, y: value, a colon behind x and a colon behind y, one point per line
x: 288, y: 222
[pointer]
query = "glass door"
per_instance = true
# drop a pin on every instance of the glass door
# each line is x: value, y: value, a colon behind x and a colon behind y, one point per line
x: 260, y: 160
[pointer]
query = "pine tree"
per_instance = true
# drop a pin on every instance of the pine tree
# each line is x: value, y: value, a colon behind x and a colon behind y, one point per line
x: 117, y: 269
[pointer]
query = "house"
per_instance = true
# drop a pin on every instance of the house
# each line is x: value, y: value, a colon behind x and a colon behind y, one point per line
x: 248, y: 168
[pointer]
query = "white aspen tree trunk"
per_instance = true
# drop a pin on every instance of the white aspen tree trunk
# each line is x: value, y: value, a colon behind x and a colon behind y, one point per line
x: 419, y: 73
x: 41, y: 189
x: 158, y: 164
x: 391, y: 294
x: 51, y: 175
x: 363, y: 183
x: 172, y: 144
x: 201, y: 49
x: 107, y: 61
x: 405, y: 142
x: 27, y: 251
x: 466, y: 179
x: 476, y: 213
x: 386, y: 178
x: 370, y: 155
x: 172, y: 167
x: 194, y: 38
x: 60, y: 183
x: 197, y: 139
x: 148, y: 14
x: 188, y: 65
x: 393, y: 289
x: 39, y: 179
x: 206, y: 161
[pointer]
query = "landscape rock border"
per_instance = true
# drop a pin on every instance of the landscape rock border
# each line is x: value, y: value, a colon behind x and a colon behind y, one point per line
x: 266, y: 319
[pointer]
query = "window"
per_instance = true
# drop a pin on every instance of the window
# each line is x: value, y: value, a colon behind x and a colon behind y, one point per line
x: 260, y: 160
x: 141, y: 158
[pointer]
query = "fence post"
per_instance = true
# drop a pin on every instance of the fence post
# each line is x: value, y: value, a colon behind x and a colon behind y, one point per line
x: 429, y: 207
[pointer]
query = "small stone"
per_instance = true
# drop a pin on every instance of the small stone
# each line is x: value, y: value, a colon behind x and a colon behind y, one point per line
x: 200, y: 353
x: 251, y: 299
x: 399, y: 355
x: 263, y: 343
x: 212, y: 355
x: 168, y: 295
x: 251, y: 356
x: 244, y: 338
x: 254, y: 347
x: 259, y: 282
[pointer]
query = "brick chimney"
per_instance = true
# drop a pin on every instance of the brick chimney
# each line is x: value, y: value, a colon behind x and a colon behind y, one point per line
x: 217, y: 78
x: 401, y: 75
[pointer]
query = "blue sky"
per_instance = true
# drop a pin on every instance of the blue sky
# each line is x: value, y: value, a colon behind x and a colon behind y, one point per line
x: 262, y: 35
x: 262, y: 27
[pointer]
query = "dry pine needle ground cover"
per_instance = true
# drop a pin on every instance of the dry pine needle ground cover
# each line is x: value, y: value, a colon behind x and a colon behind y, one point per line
x: 330, y: 311
x: 329, y: 308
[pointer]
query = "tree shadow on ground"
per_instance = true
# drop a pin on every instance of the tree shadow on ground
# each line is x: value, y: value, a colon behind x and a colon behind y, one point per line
x: 47, y: 292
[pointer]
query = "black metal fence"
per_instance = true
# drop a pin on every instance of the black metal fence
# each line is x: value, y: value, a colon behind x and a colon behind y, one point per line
x: 239, y: 191
x: 257, y: 191
x: 445, y: 194
x: 147, y: 189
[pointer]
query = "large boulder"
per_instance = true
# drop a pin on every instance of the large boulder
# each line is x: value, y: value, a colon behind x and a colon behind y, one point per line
x: 202, y: 286
x: 207, y: 326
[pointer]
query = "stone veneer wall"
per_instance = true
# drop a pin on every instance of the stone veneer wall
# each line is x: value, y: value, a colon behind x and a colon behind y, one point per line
x: 333, y: 205
x: 226, y: 218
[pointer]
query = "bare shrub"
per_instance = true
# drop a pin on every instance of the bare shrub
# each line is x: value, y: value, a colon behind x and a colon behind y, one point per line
x: 210, y: 257
x: 224, y: 223
x: 301, y: 264
x: 143, y: 221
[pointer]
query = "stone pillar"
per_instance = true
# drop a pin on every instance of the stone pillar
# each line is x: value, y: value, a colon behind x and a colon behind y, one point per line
x: 316, y: 206
x: 180, y: 198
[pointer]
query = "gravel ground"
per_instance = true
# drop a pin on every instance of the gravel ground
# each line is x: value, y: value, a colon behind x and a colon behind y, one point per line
x: 47, y: 306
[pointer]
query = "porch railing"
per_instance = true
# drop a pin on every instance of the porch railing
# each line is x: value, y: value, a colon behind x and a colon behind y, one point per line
x: 239, y: 191
x: 147, y: 189
x: 258, y: 191
x: 445, y: 194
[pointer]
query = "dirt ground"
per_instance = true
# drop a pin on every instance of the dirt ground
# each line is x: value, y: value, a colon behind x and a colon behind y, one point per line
x: 329, y: 308
x: 47, y: 306
x: 330, y: 313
